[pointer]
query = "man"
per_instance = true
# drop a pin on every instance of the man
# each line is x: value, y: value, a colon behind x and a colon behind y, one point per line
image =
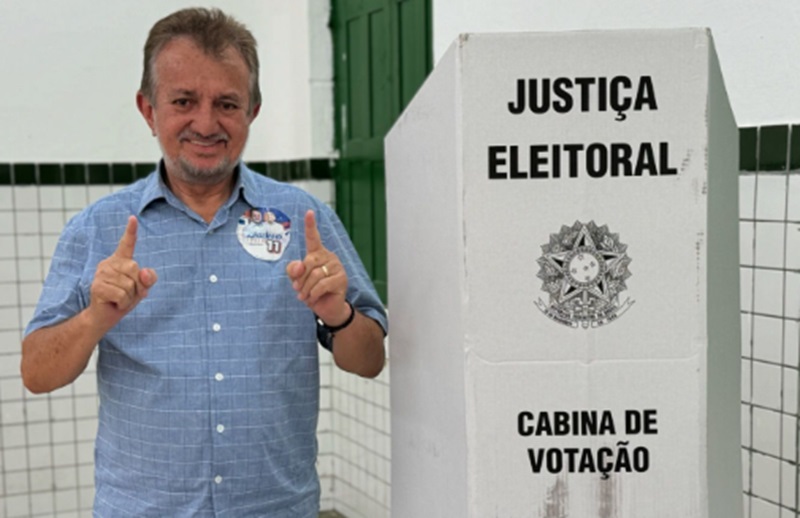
x: 255, y: 230
x: 207, y: 367
x: 255, y: 219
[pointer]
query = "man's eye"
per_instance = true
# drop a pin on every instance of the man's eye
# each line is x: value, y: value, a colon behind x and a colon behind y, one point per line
x: 229, y: 106
x: 181, y: 102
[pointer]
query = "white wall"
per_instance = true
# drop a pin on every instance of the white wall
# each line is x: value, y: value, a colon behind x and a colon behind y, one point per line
x: 71, y: 69
x: 758, y: 42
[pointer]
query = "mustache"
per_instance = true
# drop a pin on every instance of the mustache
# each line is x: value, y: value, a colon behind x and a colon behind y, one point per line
x: 214, y: 137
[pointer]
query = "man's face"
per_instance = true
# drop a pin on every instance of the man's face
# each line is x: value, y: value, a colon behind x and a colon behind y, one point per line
x: 201, y: 111
x: 255, y: 216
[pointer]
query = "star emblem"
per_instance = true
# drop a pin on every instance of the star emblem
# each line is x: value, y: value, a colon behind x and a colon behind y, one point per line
x: 584, y: 268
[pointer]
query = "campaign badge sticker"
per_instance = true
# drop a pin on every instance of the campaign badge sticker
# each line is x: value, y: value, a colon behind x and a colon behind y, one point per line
x: 264, y: 232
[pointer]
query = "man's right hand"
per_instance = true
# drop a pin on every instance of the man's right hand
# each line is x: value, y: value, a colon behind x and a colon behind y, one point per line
x: 119, y: 284
x: 54, y: 356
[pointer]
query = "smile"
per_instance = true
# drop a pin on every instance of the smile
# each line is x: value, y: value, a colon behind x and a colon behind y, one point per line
x: 205, y: 143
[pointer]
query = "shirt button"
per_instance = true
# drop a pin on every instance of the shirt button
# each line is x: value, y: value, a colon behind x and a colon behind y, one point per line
x: 213, y: 278
x: 218, y: 479
x: 220, y: 428
x: 216, y: 327
x: 219, y: 376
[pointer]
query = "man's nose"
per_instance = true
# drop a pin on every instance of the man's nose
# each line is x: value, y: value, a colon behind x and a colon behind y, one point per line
x: 205, y: 120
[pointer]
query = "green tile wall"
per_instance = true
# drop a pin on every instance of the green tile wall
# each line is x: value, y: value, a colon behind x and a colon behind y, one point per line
x: 766, y: 148
x: 748, y: 142
x: 773, y: 145
x: 124, y: 173
x: 794, y: 148
x: 773, y: 148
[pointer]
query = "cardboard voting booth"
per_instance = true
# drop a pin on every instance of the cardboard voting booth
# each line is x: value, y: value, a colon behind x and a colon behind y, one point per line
x: 563, y: 281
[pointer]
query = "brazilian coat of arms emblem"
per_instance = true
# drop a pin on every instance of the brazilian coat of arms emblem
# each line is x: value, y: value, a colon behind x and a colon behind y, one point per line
x: 583, y: 269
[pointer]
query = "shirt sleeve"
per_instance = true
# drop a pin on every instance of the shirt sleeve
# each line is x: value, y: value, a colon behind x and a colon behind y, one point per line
x: 62, y: 295
x: 360, y: 290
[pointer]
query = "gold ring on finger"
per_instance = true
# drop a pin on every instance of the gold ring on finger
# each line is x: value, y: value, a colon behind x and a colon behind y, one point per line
x: 325, y: 270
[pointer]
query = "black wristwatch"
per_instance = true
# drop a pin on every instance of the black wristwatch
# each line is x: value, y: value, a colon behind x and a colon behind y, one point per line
x: 325, y: 332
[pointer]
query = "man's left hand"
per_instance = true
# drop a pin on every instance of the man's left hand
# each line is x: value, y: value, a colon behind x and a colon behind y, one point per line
x: 320, y: 279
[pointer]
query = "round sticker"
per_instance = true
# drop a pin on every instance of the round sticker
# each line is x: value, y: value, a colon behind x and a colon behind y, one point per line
x: 264, y: 232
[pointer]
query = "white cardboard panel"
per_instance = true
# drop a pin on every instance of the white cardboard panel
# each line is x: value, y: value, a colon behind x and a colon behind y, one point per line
x: 563, y: 275
x: 424, y: 248
x: 664, y: 472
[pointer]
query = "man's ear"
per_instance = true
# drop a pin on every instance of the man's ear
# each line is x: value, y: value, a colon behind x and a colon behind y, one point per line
x: 147, y: 110
x: 254, y: 113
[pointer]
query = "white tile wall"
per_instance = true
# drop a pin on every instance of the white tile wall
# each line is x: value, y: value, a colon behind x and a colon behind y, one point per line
x: 763, y: 509
x: 771, y: 197
x: 362, y: 449
x: 770, y: 258
x: 769, y: 245
x: 36, y: 437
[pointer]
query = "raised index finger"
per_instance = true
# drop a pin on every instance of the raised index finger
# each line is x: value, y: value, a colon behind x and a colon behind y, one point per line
x: 313, y: 239
x: 127, y: 242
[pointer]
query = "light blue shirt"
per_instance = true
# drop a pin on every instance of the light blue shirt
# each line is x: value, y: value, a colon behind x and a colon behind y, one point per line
x: 209, y: 388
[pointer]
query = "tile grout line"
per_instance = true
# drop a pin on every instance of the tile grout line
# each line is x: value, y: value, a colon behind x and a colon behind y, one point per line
x: 26, y: 424
x: 752, y: 330
x: 783, y: 309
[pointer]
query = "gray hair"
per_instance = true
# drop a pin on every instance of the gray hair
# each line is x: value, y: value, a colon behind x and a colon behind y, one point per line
x: 211, y: 30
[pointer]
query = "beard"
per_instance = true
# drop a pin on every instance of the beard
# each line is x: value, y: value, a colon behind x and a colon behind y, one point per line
x: 191, y: 173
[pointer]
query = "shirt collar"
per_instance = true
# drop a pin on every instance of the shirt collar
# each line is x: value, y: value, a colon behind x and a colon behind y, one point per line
x: 246, y: 183
x: 156, y: 189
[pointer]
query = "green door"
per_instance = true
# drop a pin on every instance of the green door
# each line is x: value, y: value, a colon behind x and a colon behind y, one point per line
x: 382, y: 54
